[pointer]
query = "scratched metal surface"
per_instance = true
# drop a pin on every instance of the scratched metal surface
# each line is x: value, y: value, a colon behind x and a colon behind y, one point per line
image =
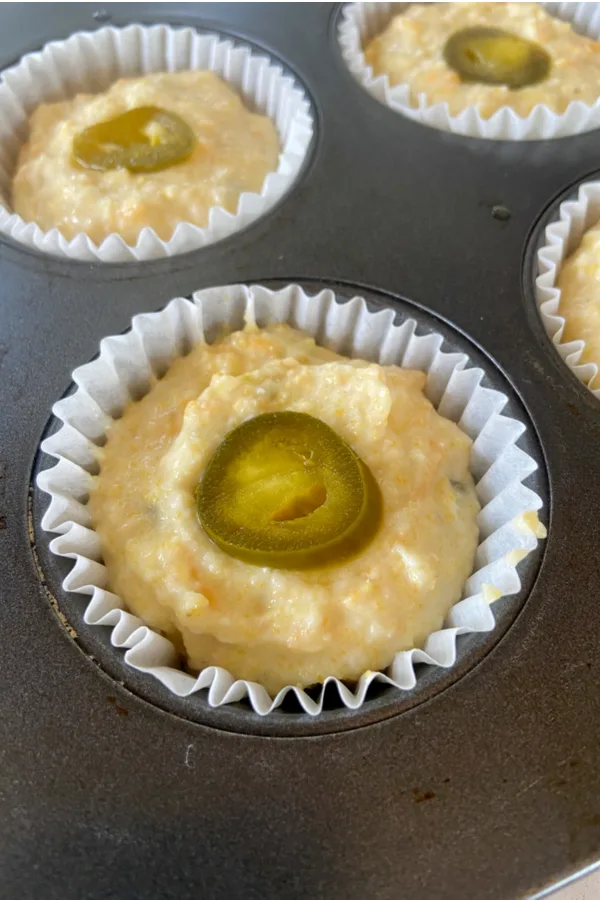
x: 488, y: 784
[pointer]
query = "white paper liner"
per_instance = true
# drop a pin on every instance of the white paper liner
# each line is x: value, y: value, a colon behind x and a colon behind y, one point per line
x: 122, y: 372
x: 563, y: 237
x: 91, y: 62
x: 360, y: 22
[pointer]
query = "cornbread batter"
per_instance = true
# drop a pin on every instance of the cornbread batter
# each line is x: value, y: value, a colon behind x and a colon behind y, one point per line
x: 269, y: 625
x: 234, y: 152
x: 410, y: 51
x: 579, y: 285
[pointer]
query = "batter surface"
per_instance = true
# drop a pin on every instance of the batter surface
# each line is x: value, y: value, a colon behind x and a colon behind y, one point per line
x: 235, y: 151
x: 579, y: 285
x: 280, y: 627
x: 410, y: 51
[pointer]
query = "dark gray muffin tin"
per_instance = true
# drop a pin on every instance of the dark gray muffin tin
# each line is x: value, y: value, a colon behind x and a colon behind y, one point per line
x: 484, y: 782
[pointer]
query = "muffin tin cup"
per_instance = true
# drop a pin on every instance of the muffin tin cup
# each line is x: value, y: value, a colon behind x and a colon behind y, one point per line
x: 360, y: 22
x: 90, y: 62
x: 561, y: 238
x: 509, y: 527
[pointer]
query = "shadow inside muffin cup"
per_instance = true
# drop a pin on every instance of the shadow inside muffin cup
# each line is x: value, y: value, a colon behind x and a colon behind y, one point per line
x: 507, y: 521
x: 91, y: 62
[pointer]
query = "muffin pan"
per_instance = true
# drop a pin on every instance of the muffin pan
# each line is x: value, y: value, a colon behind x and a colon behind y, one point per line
x: 483, y: 781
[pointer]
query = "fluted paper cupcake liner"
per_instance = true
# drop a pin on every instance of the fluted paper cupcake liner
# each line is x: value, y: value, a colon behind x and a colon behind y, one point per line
x: 360, y: 22
x: 562, y: 237
x: 91, y: 62
x: 507, y: 520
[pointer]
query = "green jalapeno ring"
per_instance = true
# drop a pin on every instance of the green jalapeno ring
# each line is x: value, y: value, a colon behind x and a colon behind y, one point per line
x: 284, y: 490
x: 126, y: 141
x: 495, y: 56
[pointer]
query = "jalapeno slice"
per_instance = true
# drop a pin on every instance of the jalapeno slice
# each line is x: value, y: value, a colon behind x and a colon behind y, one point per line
x: 144, y: 139
x: 494, y: 56
x: 284, y: 490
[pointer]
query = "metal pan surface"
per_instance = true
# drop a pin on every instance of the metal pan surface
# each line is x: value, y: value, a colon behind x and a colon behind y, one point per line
x: 485, y: 782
